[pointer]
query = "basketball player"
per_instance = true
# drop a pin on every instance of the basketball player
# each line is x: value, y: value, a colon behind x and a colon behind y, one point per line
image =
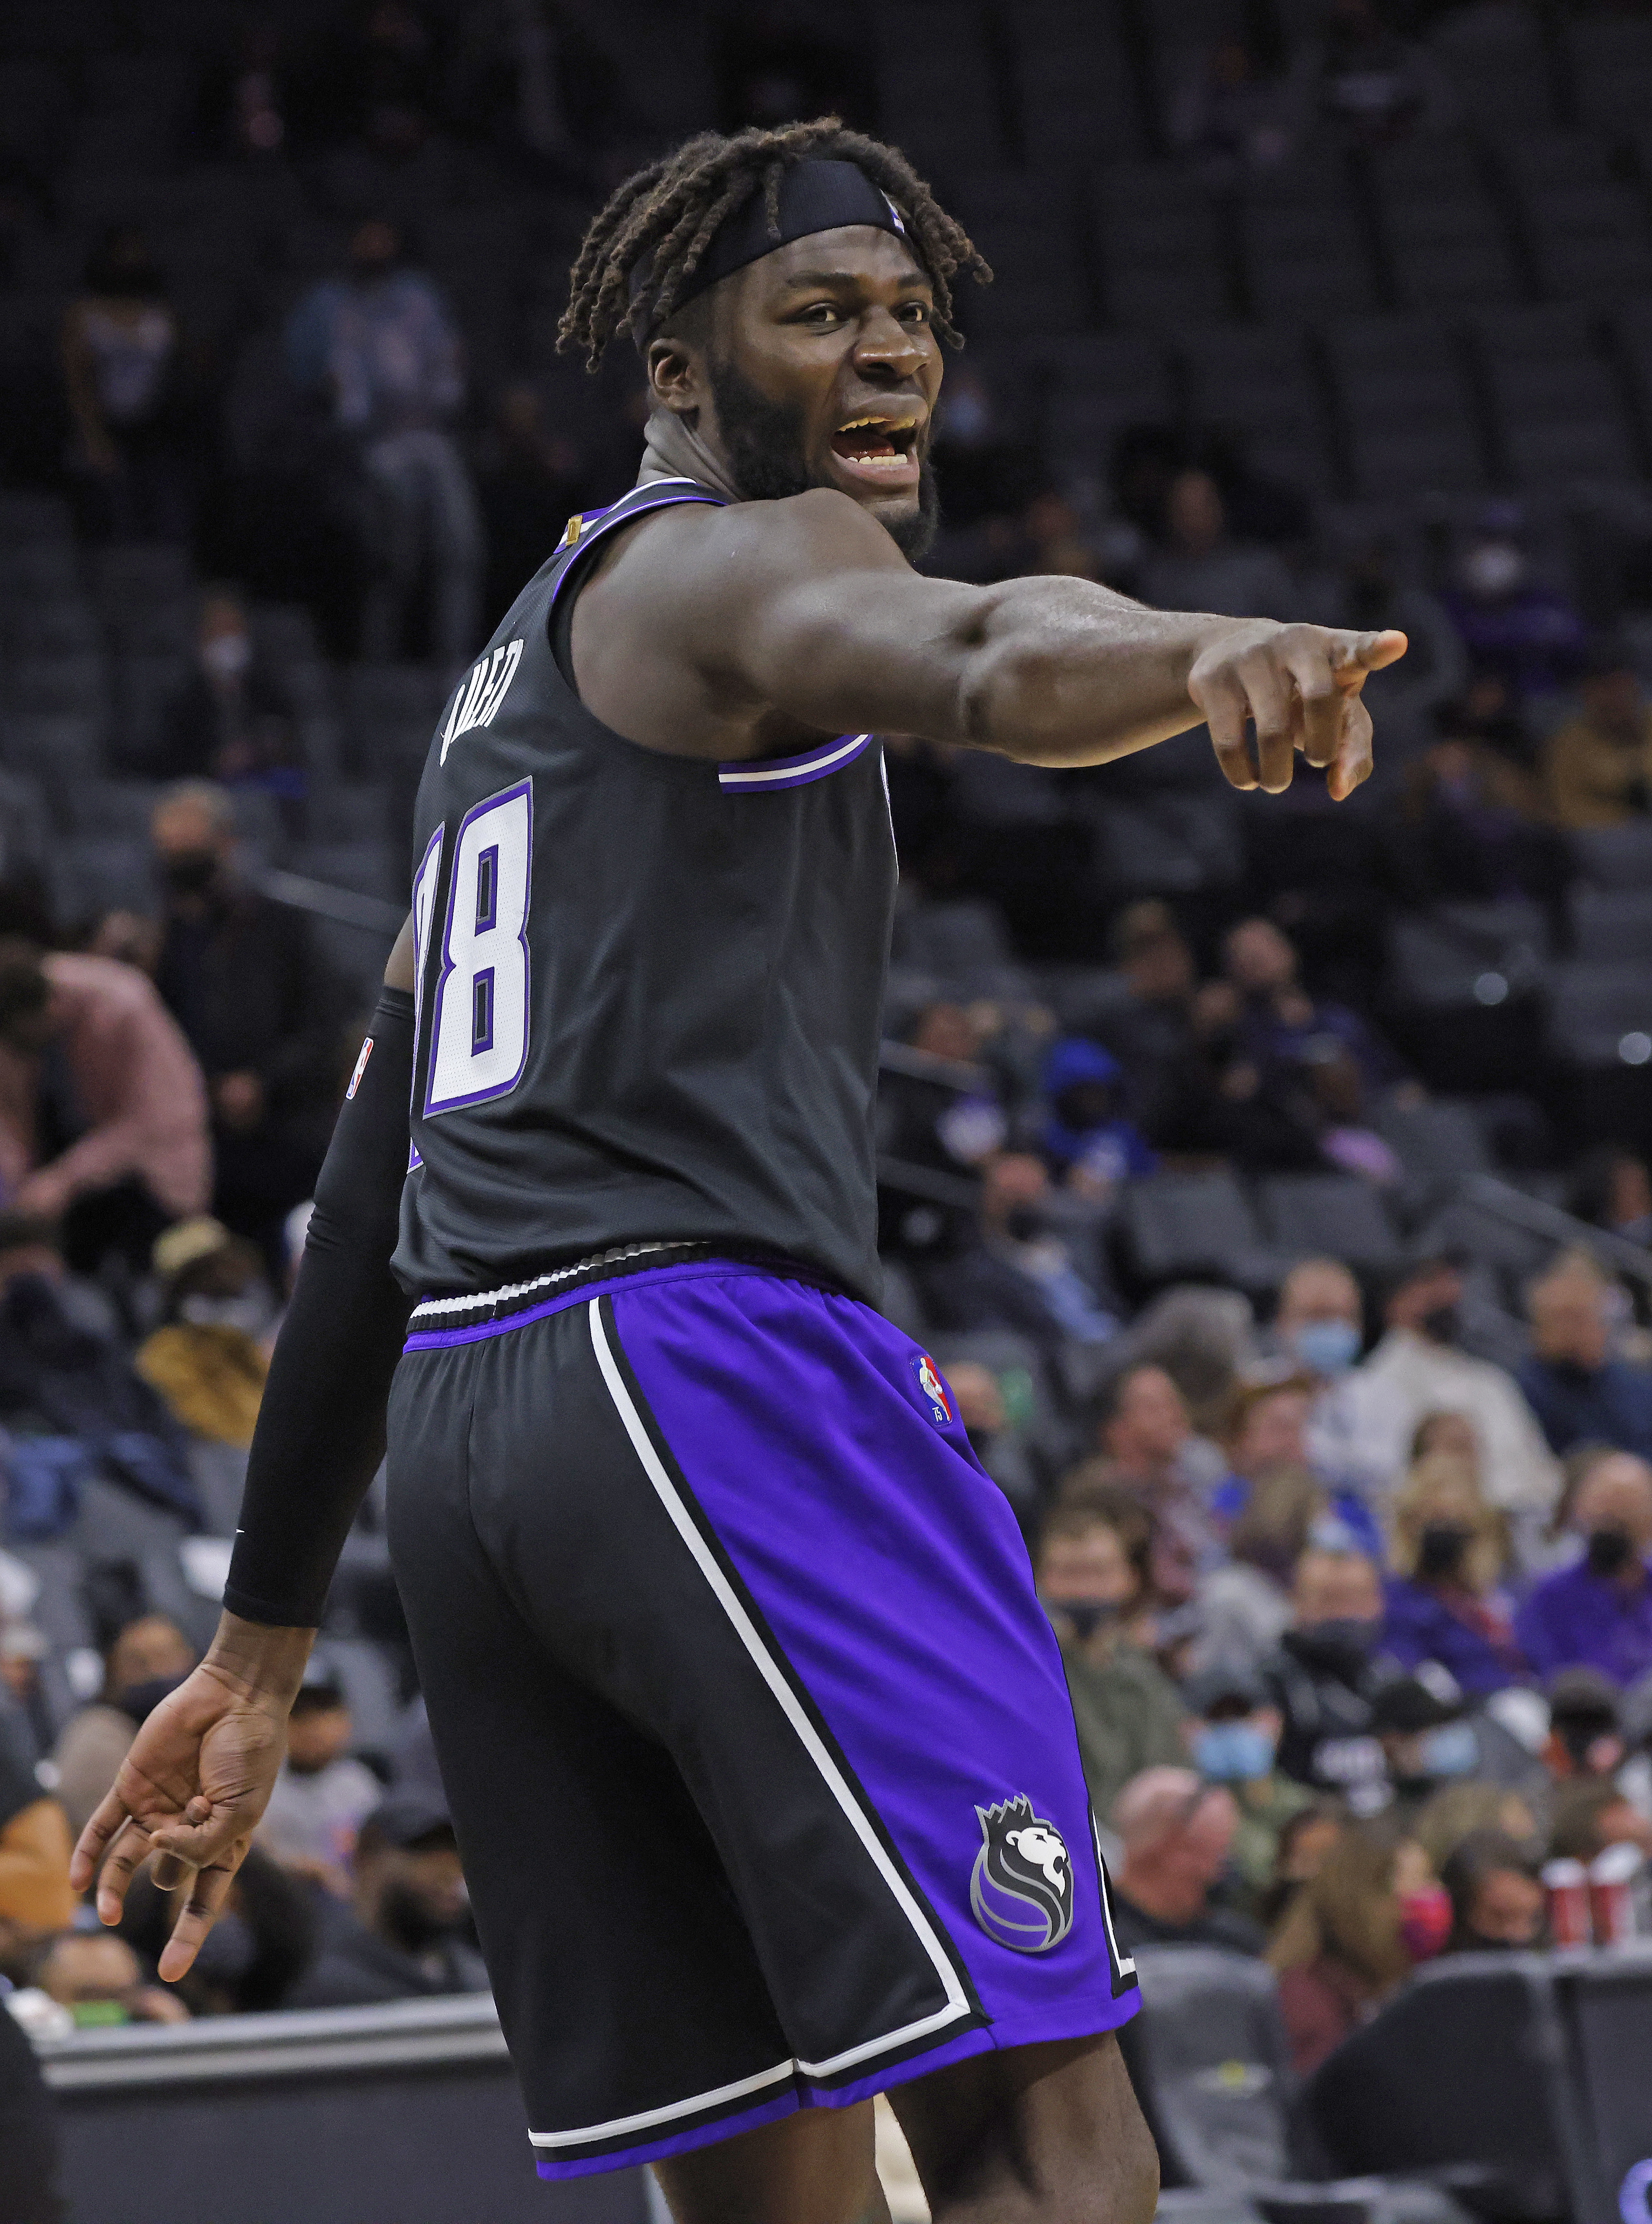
x: 756, y: 1739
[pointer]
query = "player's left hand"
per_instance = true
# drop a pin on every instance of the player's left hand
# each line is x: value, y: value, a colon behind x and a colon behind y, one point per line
x: 1300, y: 686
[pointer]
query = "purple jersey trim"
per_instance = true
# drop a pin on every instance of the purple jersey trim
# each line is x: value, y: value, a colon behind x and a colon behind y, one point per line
x: 761, y: 776
x: 622, y: 512
x: 435, y: 1339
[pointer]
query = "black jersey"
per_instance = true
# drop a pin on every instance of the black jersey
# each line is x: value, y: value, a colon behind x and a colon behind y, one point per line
x: 649, y: 987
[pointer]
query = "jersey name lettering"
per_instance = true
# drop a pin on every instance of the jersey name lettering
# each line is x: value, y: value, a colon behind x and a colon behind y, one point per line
x: 482, y: 692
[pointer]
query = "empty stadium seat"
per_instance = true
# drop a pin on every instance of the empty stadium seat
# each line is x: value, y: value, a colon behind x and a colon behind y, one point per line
x: 1612, y: 927
x: 57, y: 749
x: 1258, y: 381
x: 1494, y: 55
x: 951, y: 939
x: 1100, y: 383
x: 25, y: 825
x: 1557, y: 405
x: 1334, y: 1216
x: 1468, y: 954
x: 92, y: 876
x: 1180, y: 1226
x: 1446, y: 242
x: 1436, y: 1140
x: 1601, y: 1014
x: 1612, y: 71
x: 1078, y: 94
x: 1162, y: 258
x: 1615, y: 857
x: 1407, y: 416
x: 1306, y: 255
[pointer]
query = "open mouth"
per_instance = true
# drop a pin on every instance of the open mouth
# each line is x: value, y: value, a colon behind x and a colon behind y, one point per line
x: 878, y: 449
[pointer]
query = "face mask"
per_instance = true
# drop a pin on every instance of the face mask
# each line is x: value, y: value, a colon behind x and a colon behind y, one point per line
x: 190, y: 871
x: 1494, y: 569
x: 1452, y: 1750
x: 1441, y: 1325
x: 1233, y: 1753
x: 1441, y: 1550
x: 1022, y: 1223
x: 227, y: 656
x: 249, y: 1312
x: 1085, y: 1615
x: 140, y: 1700
x: 1425, y: 1922
x: 1326, y: 1347
x: 1610, y: 1551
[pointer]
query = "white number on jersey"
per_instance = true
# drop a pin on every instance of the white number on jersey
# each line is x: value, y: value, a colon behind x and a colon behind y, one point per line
x: 479, y: 1013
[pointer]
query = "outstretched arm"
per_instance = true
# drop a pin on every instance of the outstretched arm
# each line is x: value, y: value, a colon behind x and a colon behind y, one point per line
x: 807, y: 606
x: 195, y: 1784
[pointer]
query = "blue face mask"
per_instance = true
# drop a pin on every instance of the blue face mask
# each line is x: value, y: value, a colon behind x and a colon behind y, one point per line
x: 1452, y: 1750
x: 1326, y: 1347
x: 1233, y: 1753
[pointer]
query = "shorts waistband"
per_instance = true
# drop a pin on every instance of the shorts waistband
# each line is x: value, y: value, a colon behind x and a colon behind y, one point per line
x: 436, y: 1322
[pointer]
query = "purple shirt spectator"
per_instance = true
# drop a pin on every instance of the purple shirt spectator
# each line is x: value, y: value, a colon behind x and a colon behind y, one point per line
x: 1580, y: 1620
x: 1420, y: 1623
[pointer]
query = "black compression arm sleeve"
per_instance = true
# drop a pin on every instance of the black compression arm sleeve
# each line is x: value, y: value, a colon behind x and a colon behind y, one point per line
x: 320, y: 1433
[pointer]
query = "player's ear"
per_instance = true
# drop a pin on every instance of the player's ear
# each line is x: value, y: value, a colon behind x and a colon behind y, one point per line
x: 675, y: 380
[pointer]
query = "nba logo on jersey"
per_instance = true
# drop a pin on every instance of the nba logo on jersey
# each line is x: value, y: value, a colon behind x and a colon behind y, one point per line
x: 482, y: 692
x: 929, y: 1382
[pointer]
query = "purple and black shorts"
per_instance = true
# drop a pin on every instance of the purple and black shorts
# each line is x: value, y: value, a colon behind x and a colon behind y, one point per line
x: 757, y: 1740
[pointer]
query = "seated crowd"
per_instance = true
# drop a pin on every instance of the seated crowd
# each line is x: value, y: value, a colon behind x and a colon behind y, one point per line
x: 1358, y: 1621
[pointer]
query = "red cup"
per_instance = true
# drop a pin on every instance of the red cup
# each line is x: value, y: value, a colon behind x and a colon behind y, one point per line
x: 1570, y: 1922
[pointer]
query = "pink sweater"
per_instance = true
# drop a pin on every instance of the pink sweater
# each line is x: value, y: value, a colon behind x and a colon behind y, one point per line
x: 138, y: 1085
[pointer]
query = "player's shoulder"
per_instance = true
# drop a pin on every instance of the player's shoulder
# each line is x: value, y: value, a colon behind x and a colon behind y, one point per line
x: 751, y: 544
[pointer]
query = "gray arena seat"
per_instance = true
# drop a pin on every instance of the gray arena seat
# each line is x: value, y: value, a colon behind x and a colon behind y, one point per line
x: 1211, y: 2064
x: 1078, y: 92
x: 1257, y: 380
x: 1445, y: 240
x: 1305, y: 251
x: 1494, y: 56
x: 1611, y: 58
x: 1337, y: 1215
x: 1162, y: 263
x: 1598, y: 1014
x: 1405, y: 405
x: 1612, y: 927
x: 1100, y: 383
x: 1615, y: 857
x: 1182, y: 1226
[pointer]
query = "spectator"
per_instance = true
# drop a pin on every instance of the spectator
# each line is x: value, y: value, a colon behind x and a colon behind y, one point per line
x: 1305, y: 1842
x: 1245, y: 1602
x: 1581, y: 1392
x: 928, y: 1119
x: 1090, y: 1570
x: 1613, y: 1190
x: 1218, y: 1102
x: 1150, y: 1032
x: 1375, y: 84
x: 102, y: 1116
x: 1020, y: 1272
x: 1238, y: 109
x: 148, y: 1658
x: 1585, y: 1719
x: 1233, y: 1740
x: 1497, y: 1896
x: 1417, y: 1369
x: 1322, y: 1677
x: 71, y: 1400
x: 205, y: 1358
x: 1267, y: 1430
x: 403, y: 1936
x: 1319, y: 1327
x: 243, y: 977
x: 1197, y: 566
x: 1417, y: 1720
x: 123, y: 364
x: 1597, y: 1613
x: 978, y: 1399
x: 1530, y: 636
x: 97, y: 1977
x: 1458, y: 1811
x: 1281, y: 1024
x: 232, y: 719
x: 34, y: 1849
x: 1474, y: 827
x: 322, y: 1795
x: 1352, y: 1936
x: 1178, y: 1835
x: 254, y: 1955
x: 382, y: 344
x: 1592, y: 1815
x: 1146, y: 1434
x: 1598, y: 767
x: 1088, y: 1141
x: 1449, y: 1552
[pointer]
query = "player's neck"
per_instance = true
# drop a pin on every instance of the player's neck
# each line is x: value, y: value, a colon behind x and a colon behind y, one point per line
x: 673, y: 449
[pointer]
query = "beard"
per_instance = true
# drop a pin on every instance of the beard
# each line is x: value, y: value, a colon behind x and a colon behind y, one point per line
x: 762, y: 441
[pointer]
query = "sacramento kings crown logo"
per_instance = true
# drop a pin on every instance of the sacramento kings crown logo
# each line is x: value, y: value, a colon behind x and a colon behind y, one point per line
x: 1022, y: 1889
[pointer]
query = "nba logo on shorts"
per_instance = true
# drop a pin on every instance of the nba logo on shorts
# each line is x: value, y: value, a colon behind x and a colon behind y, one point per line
x: 929, y: 1382
x: 1022, y: 1888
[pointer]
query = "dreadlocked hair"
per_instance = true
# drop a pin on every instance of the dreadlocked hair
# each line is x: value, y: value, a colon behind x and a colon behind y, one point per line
x: 663, y: 220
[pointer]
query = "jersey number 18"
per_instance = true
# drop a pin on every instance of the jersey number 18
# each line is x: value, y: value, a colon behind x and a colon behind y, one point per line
x: 479, y: 1024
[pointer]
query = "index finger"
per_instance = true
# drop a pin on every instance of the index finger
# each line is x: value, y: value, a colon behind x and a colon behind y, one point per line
x: 1357, y: 654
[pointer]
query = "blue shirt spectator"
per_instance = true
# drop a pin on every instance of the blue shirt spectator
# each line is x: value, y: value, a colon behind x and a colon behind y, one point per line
x: 381, y: 340
x: 1087, y: 1140
x: 1579, y: 1391
x: 1441, y: 1601
x: 1266, y: 1434
x: 1598, y: 1613
x: 1424, y: 1622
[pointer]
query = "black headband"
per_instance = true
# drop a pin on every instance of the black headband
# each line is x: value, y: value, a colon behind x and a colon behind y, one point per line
x: 814, y: 196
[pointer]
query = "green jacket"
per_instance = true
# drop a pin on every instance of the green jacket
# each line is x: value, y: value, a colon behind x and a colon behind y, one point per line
x: 1130, y: 1716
